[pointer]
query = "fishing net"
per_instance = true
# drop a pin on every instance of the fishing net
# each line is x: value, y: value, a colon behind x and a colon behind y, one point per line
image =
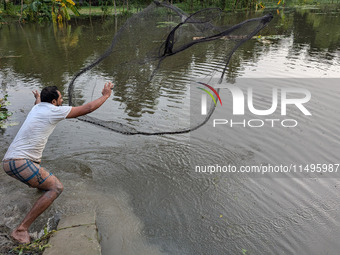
x: 162, y: 50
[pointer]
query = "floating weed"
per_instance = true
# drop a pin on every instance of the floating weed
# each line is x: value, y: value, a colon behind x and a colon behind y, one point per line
x: 4, y: 113
x: 168, y: 24
x: 39, y: 245
x: 8, y: 124
x: 35, y: 247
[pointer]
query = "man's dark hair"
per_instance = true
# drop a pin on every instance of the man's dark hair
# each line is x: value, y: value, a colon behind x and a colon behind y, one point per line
x: 48, y: 94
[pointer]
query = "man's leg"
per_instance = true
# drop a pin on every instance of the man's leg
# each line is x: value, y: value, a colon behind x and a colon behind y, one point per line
x: 53, y: 188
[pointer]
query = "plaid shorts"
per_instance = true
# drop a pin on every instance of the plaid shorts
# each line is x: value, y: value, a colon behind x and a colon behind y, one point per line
x: 24, y: 170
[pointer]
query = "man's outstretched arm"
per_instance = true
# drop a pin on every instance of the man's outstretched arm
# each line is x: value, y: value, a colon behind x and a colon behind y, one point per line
x: 91, y: 106
x: 37, y: 96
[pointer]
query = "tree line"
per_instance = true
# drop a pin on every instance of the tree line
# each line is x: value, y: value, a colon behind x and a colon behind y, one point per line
x: 59, y: 11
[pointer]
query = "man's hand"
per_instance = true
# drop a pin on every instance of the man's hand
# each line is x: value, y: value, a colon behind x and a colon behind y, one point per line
x: 37, y: 96
x: 91, y: 106
x: 107, y: 89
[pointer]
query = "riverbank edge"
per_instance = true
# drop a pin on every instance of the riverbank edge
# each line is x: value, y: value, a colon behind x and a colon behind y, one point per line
x: 77, y: 234
x: 86, y: 14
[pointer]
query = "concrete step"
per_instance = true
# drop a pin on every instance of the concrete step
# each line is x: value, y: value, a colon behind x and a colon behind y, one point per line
x: 76, y: 235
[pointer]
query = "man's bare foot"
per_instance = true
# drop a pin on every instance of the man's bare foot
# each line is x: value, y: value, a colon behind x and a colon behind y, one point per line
x: 21, y: 235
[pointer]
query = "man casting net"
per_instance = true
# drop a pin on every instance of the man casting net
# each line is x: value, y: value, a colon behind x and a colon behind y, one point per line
x: 160, y: 52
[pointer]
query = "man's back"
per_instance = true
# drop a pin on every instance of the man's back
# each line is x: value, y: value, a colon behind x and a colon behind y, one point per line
x: 33, y: 134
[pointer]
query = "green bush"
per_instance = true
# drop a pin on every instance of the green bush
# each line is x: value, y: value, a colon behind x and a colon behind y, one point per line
x: 37, y: 10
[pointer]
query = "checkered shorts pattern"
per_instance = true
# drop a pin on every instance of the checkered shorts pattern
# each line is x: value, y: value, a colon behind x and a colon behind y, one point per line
x: 24, y: 170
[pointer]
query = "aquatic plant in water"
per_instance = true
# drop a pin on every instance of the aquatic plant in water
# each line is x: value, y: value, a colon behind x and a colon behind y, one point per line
x: 4, y: 113
x: 35, y: 247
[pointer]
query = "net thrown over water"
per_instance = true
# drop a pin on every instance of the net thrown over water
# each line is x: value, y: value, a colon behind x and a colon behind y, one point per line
x: 161, y: 41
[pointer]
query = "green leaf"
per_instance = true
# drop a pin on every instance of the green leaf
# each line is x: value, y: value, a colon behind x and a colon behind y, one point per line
x: 67, y: 16
x: 35, y: 6
x: 24, y: 7
x: 3, y: 116
x: 73, y: 9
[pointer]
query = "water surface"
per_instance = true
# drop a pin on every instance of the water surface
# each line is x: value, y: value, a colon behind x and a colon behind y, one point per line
x: 146, y: 197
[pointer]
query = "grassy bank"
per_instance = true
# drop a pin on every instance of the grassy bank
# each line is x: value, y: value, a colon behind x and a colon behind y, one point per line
x: 44, y: 13
x: 13, y: 12
x: 108, y: 10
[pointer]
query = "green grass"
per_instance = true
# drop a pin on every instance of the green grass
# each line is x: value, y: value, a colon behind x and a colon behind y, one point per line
x: 13, y: 12
x: 97, y: 10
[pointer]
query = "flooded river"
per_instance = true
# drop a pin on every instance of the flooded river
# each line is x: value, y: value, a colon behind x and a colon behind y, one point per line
x: 146, y: 194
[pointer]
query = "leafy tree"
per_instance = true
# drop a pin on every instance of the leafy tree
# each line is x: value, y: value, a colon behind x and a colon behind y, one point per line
x: 48, y: 10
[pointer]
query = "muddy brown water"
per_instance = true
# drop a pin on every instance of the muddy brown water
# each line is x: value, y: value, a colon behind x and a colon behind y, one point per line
x: 146, y: 194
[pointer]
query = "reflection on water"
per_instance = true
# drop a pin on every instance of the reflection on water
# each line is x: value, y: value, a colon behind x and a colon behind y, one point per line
x: 146, y: 197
